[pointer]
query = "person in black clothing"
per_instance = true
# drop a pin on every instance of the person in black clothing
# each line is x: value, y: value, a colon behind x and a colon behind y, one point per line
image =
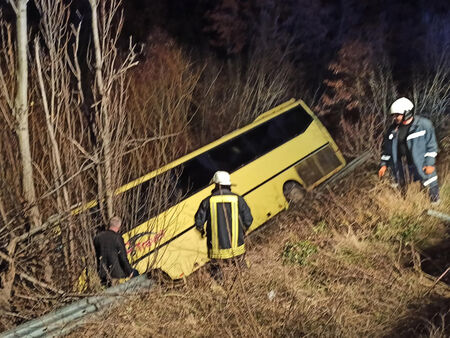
x: 112, y: 261
x: 227, y: 218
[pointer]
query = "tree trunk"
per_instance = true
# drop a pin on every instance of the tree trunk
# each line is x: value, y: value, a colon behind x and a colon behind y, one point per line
x: 103, y: 119
x: 21, y: 114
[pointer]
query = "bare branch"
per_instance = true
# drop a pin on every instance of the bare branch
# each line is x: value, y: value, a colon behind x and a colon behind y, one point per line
x: 31, y: 278
x: 13, y: 5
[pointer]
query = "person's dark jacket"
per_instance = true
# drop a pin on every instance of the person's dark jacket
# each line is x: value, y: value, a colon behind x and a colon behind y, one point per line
x: 111, y: 255
x: 225, y: 248
x: 422, y: 145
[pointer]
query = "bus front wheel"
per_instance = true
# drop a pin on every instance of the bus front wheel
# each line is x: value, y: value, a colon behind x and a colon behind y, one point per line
x: 293, y: 192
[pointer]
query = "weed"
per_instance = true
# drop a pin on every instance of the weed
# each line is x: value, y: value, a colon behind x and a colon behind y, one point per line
x: 298, y: 252
x: 353, y: 256
x: 400, y: 227
x: 320, y: 227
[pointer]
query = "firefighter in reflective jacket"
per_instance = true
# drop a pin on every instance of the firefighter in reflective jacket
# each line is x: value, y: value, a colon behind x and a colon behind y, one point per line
x: 410, y: 149
x: 227, y: 218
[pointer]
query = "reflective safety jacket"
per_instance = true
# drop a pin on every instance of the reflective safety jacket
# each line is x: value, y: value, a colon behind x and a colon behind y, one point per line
x: 422, y: 145
x: 227, y: 218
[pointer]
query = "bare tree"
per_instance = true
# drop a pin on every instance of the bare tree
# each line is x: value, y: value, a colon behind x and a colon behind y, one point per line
x: 20, y: 110
x: 431, y: 86
x: 229, y: 100
x: 357, y: 96
x: 108, y: 92
x: 16, y: 113
x: 63, y: 147
x: 57, y: 100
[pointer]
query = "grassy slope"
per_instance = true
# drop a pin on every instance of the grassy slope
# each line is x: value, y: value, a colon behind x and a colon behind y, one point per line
x: 346, y: 262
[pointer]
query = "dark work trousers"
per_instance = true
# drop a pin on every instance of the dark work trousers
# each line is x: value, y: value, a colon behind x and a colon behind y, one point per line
x: 407, y: 173
x: 216, y: 266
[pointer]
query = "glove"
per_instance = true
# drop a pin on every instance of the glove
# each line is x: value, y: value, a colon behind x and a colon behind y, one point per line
x: 428, y: 169
x: 382, y: 171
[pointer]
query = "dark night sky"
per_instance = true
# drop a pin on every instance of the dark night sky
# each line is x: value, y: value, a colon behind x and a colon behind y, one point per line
x: 323, y: 25
x: 403, y: 22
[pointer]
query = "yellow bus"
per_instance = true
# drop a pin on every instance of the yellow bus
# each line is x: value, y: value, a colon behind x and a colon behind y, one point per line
x: 285, y: 145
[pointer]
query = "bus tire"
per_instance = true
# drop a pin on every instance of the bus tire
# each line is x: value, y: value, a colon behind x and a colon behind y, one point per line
x: 160, y: 277
x: 293, y: 192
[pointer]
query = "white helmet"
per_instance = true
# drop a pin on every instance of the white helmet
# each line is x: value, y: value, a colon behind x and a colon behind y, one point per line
x: 222, y: 178
x: 402, y: 106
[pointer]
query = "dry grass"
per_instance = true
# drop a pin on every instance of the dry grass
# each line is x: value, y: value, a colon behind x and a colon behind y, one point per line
x: 362, y: 279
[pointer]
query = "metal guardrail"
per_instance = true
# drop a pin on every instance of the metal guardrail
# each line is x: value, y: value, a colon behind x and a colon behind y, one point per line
x: 360, y: 160
x: 67, y: 318
x: 442, y: 216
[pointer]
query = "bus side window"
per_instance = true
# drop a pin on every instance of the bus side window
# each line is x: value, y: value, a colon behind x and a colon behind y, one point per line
x: 136, y: 204
x: 197, y: 174
x: 175, y: 192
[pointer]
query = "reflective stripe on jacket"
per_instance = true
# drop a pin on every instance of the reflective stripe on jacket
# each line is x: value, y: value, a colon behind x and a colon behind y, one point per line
x: 227, y: 218
x: 422, y: 144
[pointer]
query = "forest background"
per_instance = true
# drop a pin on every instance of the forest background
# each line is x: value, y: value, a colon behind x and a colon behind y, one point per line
x: 115, y: 90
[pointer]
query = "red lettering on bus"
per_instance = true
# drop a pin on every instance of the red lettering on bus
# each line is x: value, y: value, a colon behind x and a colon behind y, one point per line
x: 146, y: 244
